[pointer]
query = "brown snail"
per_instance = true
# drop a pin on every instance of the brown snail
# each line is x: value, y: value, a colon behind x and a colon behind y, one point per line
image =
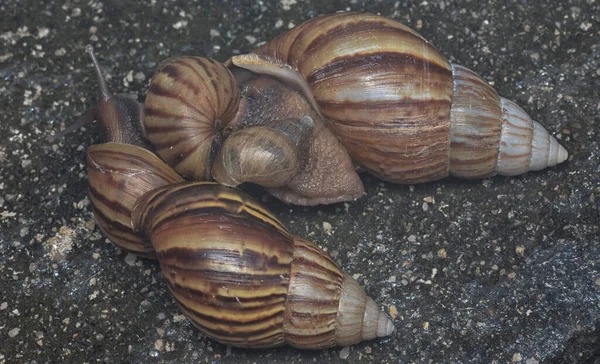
x: 362, y: 89
x: 400, y: 110
x: 242, y: 279
x: 233, y: 268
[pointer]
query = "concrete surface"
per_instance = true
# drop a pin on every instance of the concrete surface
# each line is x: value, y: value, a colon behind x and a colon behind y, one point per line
x: 492, y: 271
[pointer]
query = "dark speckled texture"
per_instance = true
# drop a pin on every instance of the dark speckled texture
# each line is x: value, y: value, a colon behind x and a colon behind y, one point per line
x: 499, y: 270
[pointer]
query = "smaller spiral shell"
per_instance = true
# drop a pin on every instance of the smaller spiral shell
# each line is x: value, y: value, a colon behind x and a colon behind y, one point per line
x: 190, y: 100
x: 268, y: 155
x: 118, y: 175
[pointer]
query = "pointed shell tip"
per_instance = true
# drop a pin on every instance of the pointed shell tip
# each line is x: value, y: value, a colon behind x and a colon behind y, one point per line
x: 386, y: 326
x: 562, y: 154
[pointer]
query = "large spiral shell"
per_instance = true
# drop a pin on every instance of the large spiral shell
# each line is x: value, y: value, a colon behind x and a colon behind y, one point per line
x: 399, y: 107
x: 190, y: 100
x: 242, y: 279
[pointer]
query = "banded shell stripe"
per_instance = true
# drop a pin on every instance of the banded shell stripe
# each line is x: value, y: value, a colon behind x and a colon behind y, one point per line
x: 121, y: 235
x: 202, y: 291
x: 208, y: 195
x: 361, y: 42
x: 540, y: 146
x: 210, y: 311
x: 118, y: 175
x: 515, y: 143
x: 265, y: 338
x: 119, y: 209
x: 402, y: 158
x: 410, y: 114
x: 190, y: 94
x: 475, y: 131
x: 169, y: 95
x: 313, y: 298
x: 243, y: 257
x: 291, y: 46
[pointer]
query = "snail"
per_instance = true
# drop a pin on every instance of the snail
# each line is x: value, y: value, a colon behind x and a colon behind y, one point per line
x: 339, y: 93
x: 234, y: 269
x: 399, y: 109
x: 244, y: 280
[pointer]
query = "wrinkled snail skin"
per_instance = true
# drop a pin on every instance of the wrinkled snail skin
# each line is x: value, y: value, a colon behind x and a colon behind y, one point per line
x: 190, y: 101
x: 401, y: 110
x: 327, y: 174
x: 243, y: 280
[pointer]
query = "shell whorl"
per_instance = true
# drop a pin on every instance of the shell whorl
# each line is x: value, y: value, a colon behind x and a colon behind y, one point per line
x: 190, y: 100
x: 492, y: 135
x: 402, y: 111
x: 244, y: 280
x: 118, y: 175
x: 269, y: 155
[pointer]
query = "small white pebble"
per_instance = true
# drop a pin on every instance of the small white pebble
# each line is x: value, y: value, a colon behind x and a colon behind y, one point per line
x: 178, y: 318
x: 180, y: 24
x: 43, y: 32
x: 14, y: 332
x: 520, y: 250
x: 140, y: 77
x: 130, y: 259
x: 3, y: 306
x: 345, y: 352
x: 517, y: 357
x: 412, y: 238
x: 60, y: 52
x: 327, y: 227
x: 214, y: 33
x: 251, y: 39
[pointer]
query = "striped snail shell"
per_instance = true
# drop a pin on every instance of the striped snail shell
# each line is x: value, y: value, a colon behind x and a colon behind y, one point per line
x: 118, y: 174
x: 401, y: 110
x: 121, y: 169
x: 190, y: 101
x: 244, y: 280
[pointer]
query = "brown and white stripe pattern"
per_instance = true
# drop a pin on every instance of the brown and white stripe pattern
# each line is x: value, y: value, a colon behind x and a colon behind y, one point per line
x: 476, y: 126
x: 525, y: 145
x: 118, y: 175
x: 244, y: 280
x: 492, y: 135
x: 313, y: 298
x: 189, y: 99
x: 384, y: 90
x: 396, y: 104
x: 226, y: 259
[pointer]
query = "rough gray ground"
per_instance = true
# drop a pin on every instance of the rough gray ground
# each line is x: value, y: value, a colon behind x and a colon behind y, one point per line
x: 498, y: 270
